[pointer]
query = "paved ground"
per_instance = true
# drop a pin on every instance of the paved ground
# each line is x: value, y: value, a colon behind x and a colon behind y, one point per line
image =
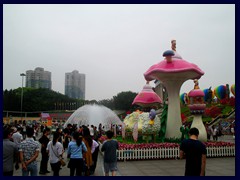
x: 215, y: 167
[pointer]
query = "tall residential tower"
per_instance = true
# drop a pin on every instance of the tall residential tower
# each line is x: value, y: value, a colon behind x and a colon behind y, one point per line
x: 38, y: 78
x: 75, y: 85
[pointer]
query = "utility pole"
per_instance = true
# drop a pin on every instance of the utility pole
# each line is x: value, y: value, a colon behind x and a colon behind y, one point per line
x: 22, y: 74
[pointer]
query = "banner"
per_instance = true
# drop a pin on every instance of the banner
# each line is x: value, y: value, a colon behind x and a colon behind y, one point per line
x: 45, y: 115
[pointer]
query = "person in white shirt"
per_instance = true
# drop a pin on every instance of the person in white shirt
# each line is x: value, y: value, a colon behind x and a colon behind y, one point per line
x: 94, y: 151
x: 214, y: 133
x: 17, y: 137
x: 91, y: 129
x: 232, y: 131
x: 55, y: 150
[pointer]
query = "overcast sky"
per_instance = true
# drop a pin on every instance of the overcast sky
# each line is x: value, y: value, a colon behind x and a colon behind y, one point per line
x: 114, y: 45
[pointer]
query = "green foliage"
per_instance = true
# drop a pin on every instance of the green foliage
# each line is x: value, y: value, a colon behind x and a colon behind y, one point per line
x: 226, y: 110
x: 186, y: 111
x: 107, y: 102
x: 206, y: 119
x: 33, y: 99
x: 189, y: 119
x: 42, y: 99
x: 123, y: 100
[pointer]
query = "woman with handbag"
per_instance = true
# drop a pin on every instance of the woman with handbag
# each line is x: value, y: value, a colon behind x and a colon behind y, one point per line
x: 88, y: 154
x: 75, y: 149
x: 55, y: 150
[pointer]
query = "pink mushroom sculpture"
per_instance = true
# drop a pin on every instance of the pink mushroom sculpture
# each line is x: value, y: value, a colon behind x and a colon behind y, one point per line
x: 147, y: 97
x: 173, y: 71
x: 197, y: 107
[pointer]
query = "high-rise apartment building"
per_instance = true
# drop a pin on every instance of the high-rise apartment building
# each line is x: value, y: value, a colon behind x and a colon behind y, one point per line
x: 38, y: 78
x: 75, y: 85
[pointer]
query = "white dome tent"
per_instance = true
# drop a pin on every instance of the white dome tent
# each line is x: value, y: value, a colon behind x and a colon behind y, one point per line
x: 94, y: 115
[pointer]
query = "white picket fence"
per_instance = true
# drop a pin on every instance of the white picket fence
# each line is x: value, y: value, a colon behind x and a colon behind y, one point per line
x: 170, y: 153
x: 221, y: 151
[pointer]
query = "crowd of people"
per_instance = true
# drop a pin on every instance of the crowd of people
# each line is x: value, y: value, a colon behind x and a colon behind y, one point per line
x: 79, y: 143
x: 216, y: 132
x: 81, y: 147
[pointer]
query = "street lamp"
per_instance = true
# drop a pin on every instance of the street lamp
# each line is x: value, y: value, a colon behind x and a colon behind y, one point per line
x: 22, y: 74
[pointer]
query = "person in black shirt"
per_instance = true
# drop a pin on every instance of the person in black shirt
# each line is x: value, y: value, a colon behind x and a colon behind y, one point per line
x: 59, y: 131
x: 44, y: 141
x: 109, y: 148
x: 195, y: 153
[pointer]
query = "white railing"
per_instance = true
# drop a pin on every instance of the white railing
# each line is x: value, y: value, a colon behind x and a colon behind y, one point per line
x: 170, y: 153
x: 220, y: 151
x: 155, y: 153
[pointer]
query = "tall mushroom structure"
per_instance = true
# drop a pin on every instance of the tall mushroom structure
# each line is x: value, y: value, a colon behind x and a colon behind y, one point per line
x: 173, y: 71
x: 197, y: 107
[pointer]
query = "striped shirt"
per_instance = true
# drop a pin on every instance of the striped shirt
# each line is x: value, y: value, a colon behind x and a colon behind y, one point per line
x: 29, y: 147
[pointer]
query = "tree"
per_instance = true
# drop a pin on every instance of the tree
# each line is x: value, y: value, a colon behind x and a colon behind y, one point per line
x: 40, y: 99
x: 123, y: 100
x: 109, y: 103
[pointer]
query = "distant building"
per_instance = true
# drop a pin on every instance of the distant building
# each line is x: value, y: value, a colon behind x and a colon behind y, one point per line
x: 75, y: 85
x: 38, y: 78
x: 160, y: 90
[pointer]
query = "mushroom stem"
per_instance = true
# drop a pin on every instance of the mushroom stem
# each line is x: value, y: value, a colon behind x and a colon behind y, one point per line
x: 198, y: 123
x: 169, y: 59
x: 174, y: 121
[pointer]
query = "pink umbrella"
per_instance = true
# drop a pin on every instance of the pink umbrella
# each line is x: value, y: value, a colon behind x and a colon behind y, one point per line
x: 173, y: 72
x: 147, y: 97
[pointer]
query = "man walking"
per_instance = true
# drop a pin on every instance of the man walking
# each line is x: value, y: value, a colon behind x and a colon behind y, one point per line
x: 29, y: 151
x: 195, y: 153
x: 109, y: 148
x: 10, y: 151
x: 44, y: 141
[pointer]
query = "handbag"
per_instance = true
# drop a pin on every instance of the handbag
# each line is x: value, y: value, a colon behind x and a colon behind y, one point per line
x: 62, y: 162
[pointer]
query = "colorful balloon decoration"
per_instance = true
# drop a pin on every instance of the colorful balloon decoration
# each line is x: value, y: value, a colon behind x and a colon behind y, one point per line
x: 233, y: 89
x: 206, y: 94
x: 220, y: 92
x: 184, y: 98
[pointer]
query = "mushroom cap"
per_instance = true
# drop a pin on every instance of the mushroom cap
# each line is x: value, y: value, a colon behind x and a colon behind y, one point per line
x: 147, y: 97
x: 172, y: 53
x: 196, y: 93
x: 168, y: 53
x: 177, y: 69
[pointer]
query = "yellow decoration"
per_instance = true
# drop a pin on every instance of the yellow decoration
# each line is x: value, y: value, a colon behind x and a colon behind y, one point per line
x: 151, y: 122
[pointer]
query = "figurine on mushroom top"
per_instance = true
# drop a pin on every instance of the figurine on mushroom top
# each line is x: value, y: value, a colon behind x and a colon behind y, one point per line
x: 196, y: 97
x: 197, y: 107
x: 173, y: 71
